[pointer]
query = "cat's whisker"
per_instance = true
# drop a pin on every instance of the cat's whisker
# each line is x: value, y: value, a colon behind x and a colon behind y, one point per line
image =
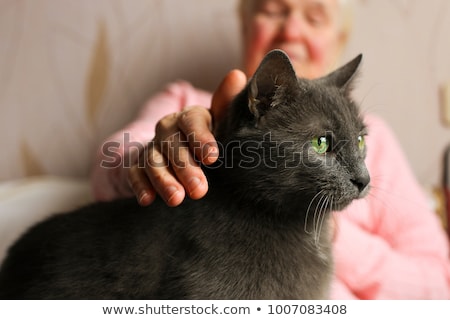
x: 384, y: 203
x: 307, y: 212
x: 325, y: 212
x: 331, y: 207
x: 321, y: 218
x: 314, y: 222
x: 316, y: 211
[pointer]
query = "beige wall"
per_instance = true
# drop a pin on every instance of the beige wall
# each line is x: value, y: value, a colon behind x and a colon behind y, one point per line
x: 71, y: 72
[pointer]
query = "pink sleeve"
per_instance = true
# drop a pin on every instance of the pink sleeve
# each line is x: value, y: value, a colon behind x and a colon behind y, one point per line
x: 390, y: 245
x: 121, y: 150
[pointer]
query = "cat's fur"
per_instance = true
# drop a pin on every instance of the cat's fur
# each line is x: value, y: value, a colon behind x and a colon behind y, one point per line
x: 256, y: 234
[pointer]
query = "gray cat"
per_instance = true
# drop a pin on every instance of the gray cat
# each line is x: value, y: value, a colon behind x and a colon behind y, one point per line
x: 292, y: 150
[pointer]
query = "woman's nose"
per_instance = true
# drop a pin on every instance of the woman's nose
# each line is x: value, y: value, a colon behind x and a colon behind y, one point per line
x: 294, y: 27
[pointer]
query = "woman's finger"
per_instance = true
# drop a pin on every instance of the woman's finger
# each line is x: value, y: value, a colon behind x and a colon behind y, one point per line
x: 141, y: 186
x: 162, y: 177
x: 196, y: 125
x: 230, y: 86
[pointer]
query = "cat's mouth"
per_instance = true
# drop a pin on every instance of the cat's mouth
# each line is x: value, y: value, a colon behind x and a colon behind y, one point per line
x: 345, y: 200
x: 331, y: 200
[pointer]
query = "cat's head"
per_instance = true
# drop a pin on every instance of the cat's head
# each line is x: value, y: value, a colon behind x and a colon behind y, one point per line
x: 297, y: 142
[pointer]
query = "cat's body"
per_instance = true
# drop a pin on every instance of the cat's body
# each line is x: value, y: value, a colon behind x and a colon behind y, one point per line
x: 255, y: 235
x: 231, y: 259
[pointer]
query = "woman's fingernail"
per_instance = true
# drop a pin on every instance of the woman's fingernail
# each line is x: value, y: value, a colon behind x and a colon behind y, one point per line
x: 211, y: 154
x: 145, y: 198
x: 193, y: 184
x: 171, y: 192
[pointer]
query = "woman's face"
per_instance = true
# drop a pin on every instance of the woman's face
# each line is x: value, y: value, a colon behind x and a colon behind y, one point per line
x: 309, y: 31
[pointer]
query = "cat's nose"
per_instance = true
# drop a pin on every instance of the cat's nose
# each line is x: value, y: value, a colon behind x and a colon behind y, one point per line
x: 361, y: 182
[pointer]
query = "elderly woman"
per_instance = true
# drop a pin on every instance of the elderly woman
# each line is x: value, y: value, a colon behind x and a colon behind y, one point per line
x: 388, y: 246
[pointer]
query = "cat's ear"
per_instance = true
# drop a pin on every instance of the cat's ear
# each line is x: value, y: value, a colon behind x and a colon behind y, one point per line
x: 274, y: 72
x: 342, y: 77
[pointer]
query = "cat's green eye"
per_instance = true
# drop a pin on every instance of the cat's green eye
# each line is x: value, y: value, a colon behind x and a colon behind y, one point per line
x: 361, y: 142
x: 320, y: 144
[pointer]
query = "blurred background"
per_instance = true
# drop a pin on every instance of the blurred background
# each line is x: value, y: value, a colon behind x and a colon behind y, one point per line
x: 73, y: 72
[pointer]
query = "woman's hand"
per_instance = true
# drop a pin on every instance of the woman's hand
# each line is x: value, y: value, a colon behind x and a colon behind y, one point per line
x: 169, y: 166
